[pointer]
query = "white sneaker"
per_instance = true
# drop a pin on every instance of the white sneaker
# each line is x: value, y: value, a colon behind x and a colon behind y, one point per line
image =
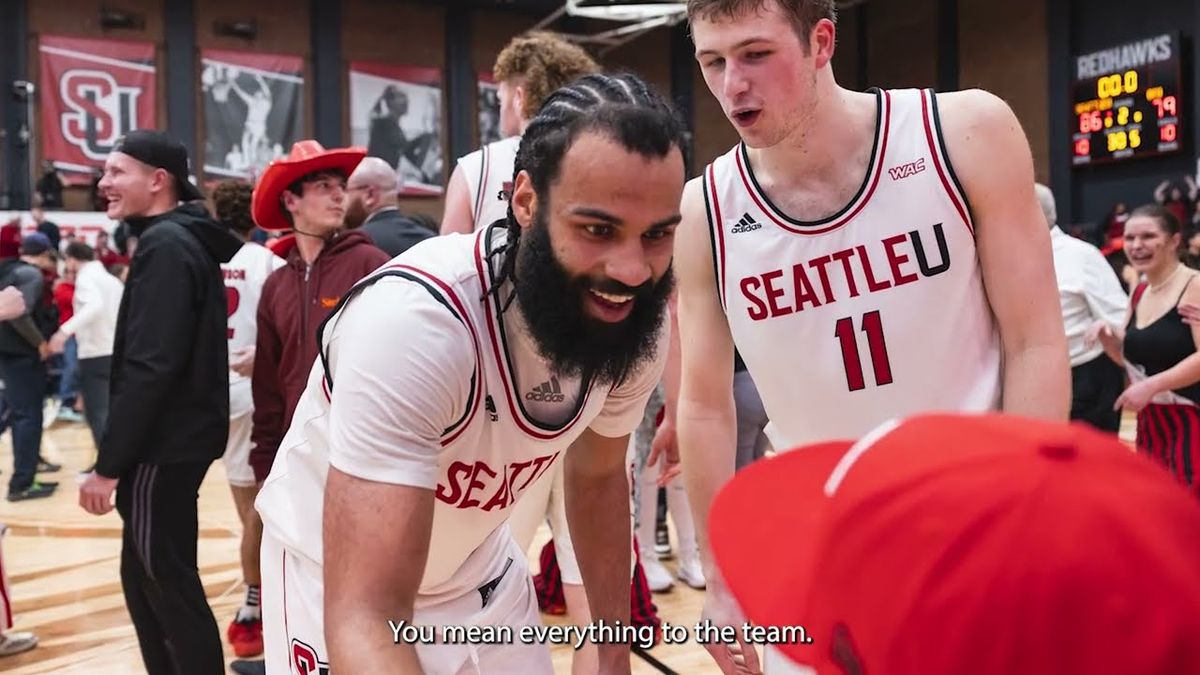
x: 15, y: 643
x: 50, y: 412
x: 657, y: 577
x: 692, y: 574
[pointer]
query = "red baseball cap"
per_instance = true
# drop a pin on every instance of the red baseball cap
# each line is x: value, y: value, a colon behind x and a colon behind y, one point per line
x: 967, y: 544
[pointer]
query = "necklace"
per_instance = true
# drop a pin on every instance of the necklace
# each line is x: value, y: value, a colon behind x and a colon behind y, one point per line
x: 1156, y: 288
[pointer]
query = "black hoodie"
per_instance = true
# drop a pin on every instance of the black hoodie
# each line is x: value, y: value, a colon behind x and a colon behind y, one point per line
x: 170, y: 361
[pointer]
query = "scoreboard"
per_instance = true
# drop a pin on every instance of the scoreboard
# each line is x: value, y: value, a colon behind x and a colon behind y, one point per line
x: 1128, y: 102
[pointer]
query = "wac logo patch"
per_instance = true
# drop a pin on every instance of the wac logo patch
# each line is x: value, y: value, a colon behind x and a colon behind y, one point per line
x: 907, y: 170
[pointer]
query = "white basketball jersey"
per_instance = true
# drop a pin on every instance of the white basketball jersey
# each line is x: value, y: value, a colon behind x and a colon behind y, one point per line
x: 245, y: 275
x: 493, y: 450
x: 876, y: 312
x: 489, y: 174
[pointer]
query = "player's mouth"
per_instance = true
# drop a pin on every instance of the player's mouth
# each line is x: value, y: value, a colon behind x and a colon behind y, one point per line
x: 609, y: 307
x: 745, y: 117
x: 1138, y: 257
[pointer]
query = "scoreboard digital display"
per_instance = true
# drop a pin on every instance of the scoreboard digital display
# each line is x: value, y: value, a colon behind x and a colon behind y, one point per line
x: 1128, y: 102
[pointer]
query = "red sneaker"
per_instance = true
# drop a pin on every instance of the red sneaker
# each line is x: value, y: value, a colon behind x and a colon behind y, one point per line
x: 246, y: 638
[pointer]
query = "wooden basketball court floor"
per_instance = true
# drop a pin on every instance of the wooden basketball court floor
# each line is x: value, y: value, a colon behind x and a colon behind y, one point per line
x: 63, y: 566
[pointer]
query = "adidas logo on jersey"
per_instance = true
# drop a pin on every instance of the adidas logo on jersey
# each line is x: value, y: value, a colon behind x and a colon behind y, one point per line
x: 746, y: 224
x: 547, y: 392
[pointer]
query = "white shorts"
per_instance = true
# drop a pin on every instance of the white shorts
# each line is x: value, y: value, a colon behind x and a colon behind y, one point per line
x: 237, y: 451
x: 293, y: 620
x: 544, y: 501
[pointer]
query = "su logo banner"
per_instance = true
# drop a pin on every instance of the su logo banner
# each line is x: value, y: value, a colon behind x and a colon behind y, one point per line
x: 93, y: 92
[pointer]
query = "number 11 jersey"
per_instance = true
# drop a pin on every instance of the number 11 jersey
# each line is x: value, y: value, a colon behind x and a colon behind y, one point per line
x: 876, y: 312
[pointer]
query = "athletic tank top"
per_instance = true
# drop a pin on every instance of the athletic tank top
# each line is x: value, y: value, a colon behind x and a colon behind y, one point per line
x: 1159, y: 347
x: 876, y: 312
x: 489, y: 174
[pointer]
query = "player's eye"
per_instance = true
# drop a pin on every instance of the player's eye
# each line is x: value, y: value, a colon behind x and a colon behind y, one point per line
x: 715, y: 63
x: 660, y: 232
x: 757, y: 56
x: 599, y: 230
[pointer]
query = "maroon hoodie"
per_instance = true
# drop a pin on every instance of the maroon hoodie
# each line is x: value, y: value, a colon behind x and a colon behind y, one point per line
x: 295, y: 300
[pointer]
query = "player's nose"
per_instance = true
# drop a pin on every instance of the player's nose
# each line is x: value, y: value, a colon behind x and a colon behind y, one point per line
x: 735, y: 82
x: 629, y: 264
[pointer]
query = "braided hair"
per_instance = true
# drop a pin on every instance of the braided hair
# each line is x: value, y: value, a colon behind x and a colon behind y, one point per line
x: 622, y: 107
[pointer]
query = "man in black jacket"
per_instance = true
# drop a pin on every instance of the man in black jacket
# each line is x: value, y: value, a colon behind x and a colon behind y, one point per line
x: 371, y: 202
x: 169, y: 409
x: 23, y: 352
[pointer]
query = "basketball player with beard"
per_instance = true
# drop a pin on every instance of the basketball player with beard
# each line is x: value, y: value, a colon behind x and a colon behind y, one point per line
x: 389, y: 498
x: 871, y: 255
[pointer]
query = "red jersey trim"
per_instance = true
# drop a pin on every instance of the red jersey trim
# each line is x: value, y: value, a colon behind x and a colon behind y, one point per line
x: 526, y: 425
x: 716, y: 231
x: 456, y: 430
x: 848, y: 213
x: 940, y: 158
x: 483, y: 176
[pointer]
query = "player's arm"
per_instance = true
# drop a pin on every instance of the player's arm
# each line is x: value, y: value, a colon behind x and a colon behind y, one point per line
x: 706, y: 421
x: 376, y: 539
x: 458, y: 216
x: 388, y: 409
x: 597, y: 496
x: 991, y: 156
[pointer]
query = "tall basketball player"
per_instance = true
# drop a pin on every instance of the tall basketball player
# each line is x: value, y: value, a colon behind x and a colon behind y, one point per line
x: 411, y: 446
x: 870, y: 255
x: 527, y: 70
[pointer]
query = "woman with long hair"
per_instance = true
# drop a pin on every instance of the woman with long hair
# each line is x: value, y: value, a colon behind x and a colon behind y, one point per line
x: 1158, y: 345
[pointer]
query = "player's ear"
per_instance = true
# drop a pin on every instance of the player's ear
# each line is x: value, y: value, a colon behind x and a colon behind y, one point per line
x: 518, y: 94
x: 822, y: 41
x: 524, y: 200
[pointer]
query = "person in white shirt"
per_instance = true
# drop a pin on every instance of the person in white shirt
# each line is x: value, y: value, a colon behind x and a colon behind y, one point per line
x: 420, y: 427
x: 1089, y: 292
x: 94, y: 324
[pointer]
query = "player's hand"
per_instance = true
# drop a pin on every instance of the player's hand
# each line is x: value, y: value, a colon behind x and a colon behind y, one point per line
x: 241, y: 361
x: 44, y: 351
x: 95, y: 494
x: 58, y: 342
x: 1190, y: 314
x: 720, y: 609
x: 1137, y: 396
x: 665, y: 446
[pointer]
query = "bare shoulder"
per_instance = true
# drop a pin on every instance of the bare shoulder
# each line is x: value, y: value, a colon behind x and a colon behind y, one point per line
x: 984, y: 140
x: 1191, y: 294
x: 967, y: 114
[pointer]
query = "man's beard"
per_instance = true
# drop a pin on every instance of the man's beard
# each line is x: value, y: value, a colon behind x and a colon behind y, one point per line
x: 356, y: 213
x: 551, y: 301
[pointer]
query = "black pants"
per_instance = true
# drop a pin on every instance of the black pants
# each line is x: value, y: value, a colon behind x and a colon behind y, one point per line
x: 1095, y: 386
x: 25, y: 391
x: 94, y: 376
x: 175, y: 626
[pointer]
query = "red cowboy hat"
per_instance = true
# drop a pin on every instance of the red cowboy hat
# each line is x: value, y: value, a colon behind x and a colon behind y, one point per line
x: 306, y: 157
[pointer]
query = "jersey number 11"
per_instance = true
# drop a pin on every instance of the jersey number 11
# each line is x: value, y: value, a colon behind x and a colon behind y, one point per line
x: 872, y: 325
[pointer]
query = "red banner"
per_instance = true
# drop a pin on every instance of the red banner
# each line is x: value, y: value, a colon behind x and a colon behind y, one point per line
x: 93, y: 92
